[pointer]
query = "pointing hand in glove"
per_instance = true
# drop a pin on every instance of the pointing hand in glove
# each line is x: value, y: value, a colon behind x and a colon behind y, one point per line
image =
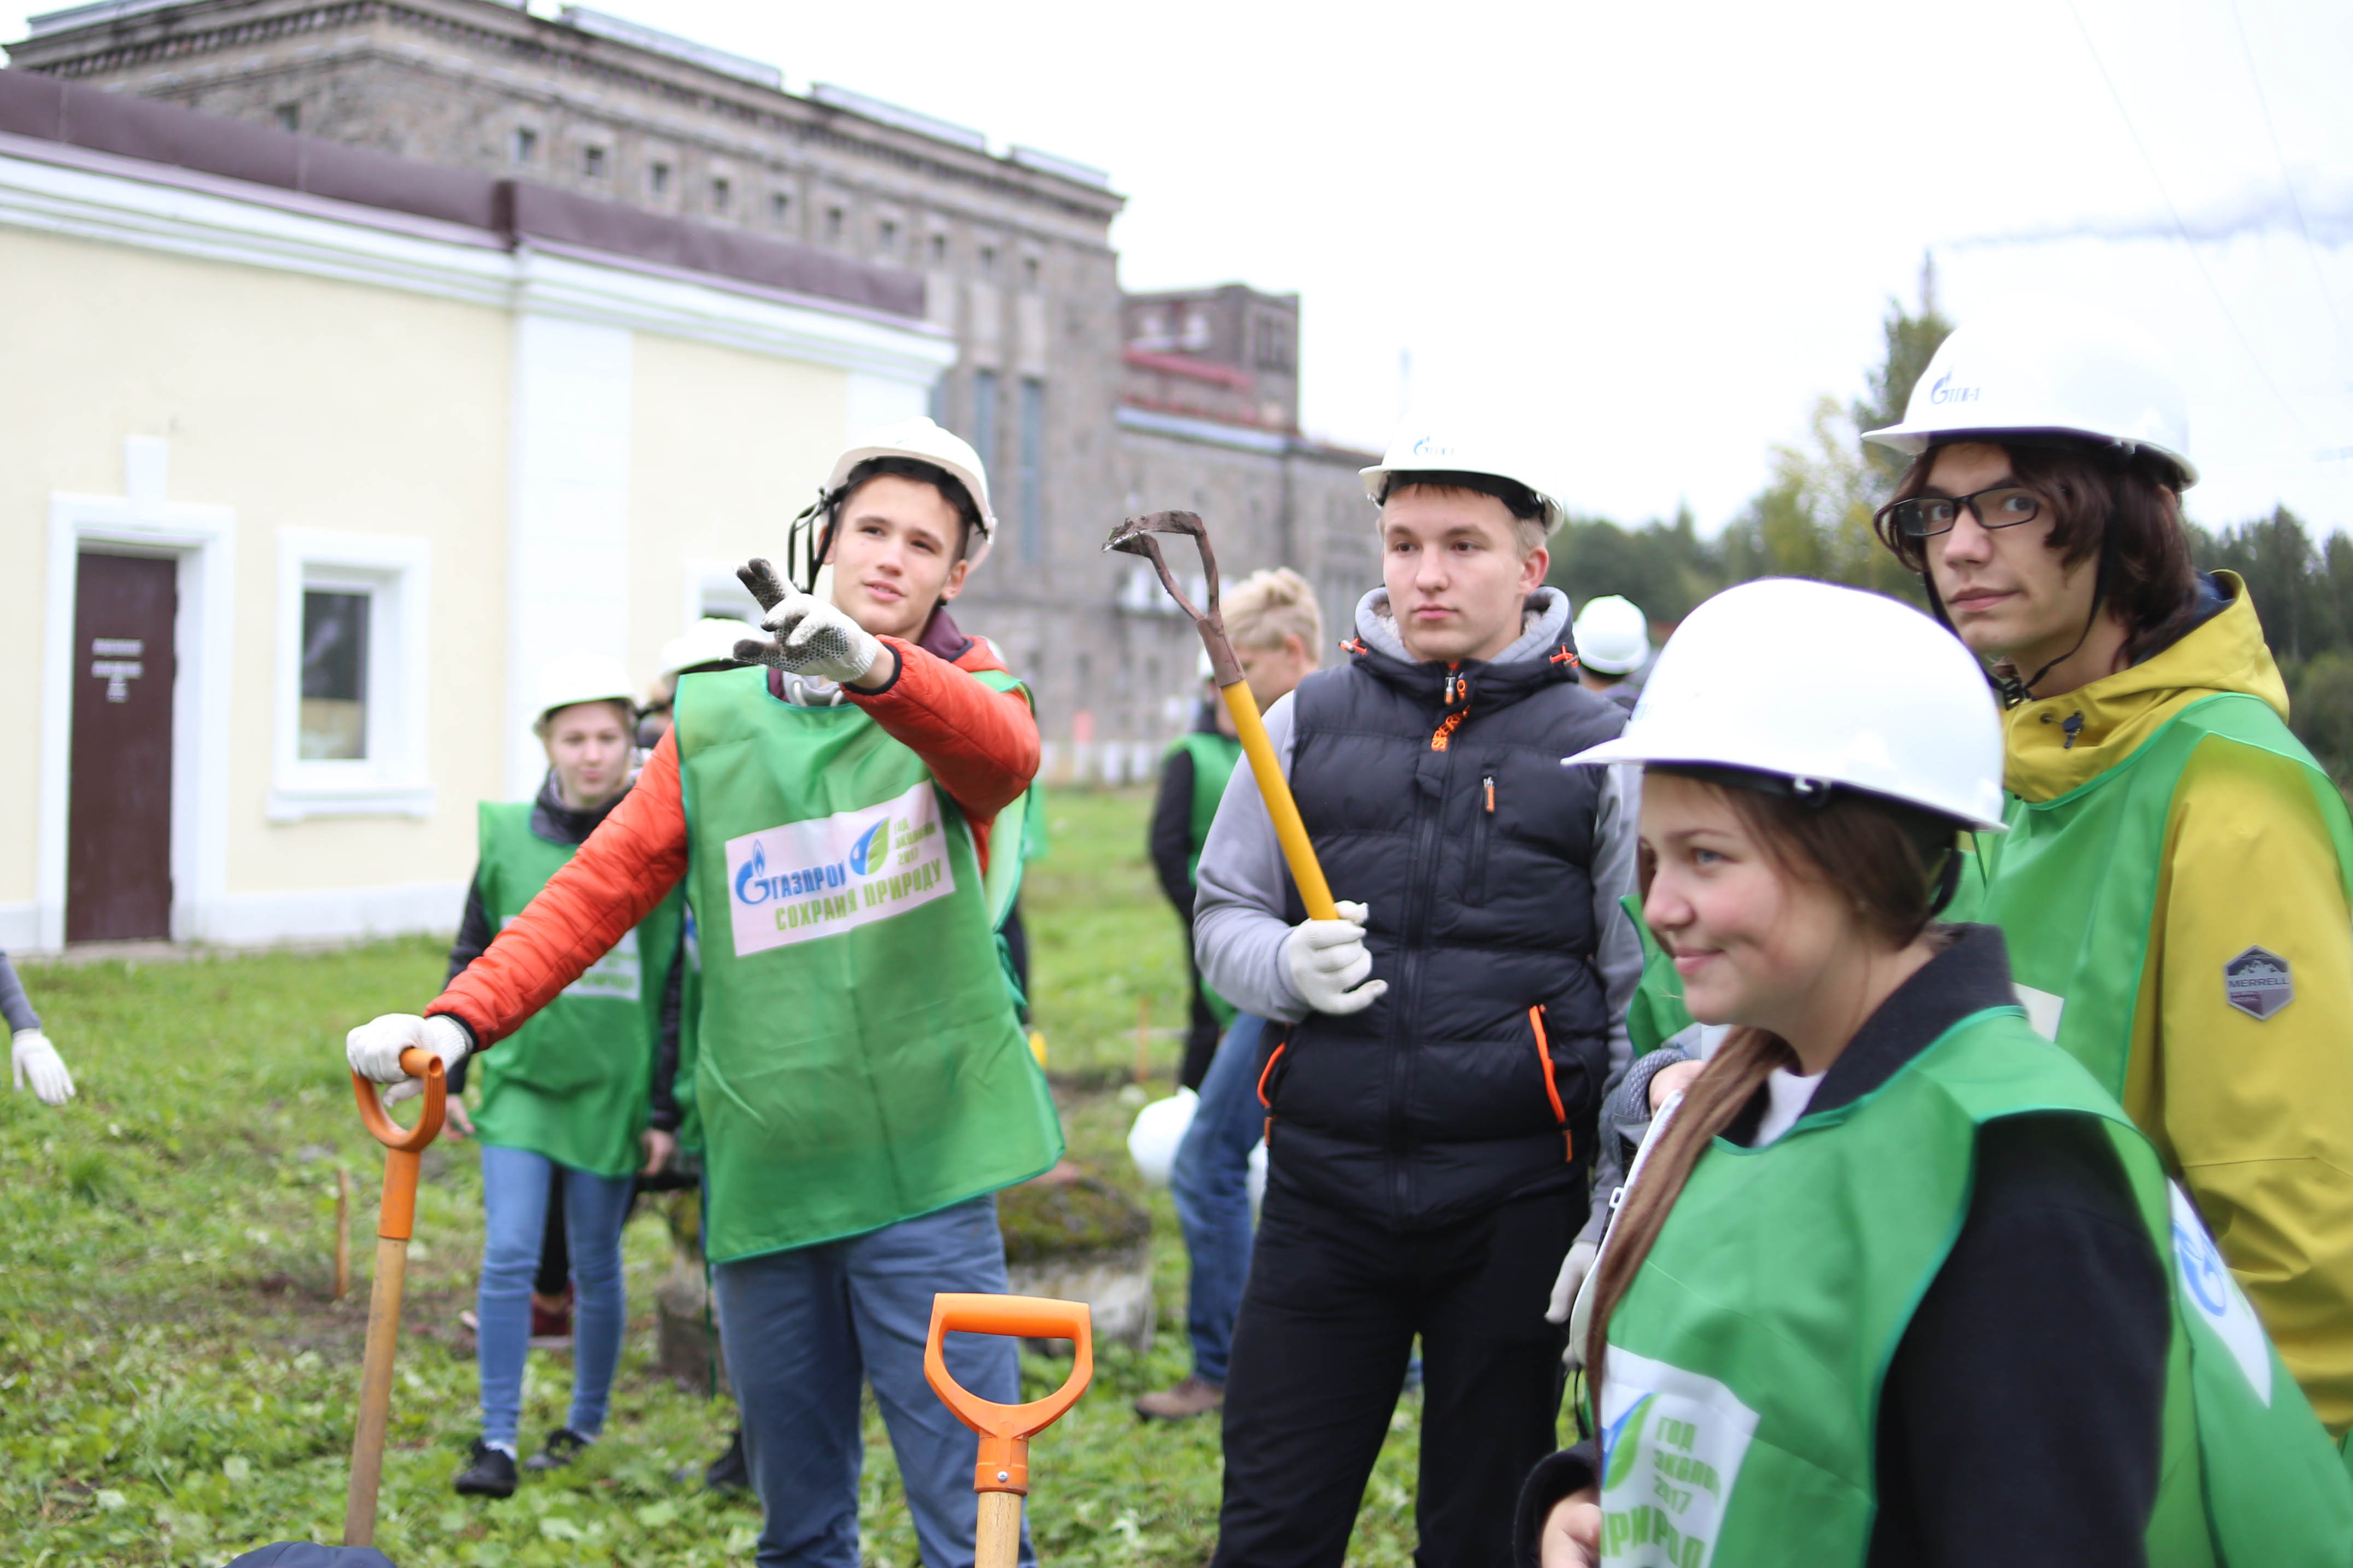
x: 1328, y: 965
x: 374, y: 1049
x: 32, y: 1057
x: 808, y: 637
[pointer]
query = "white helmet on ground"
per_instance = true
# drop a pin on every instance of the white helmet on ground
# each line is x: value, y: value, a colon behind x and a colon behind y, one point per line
x: 1425, y: 445
x: 1824, y: 686
x: 581, y: 677
x: 711, y: 640
x: 1613, y: 636
x: 2043, y: 368
x: 921, y: 439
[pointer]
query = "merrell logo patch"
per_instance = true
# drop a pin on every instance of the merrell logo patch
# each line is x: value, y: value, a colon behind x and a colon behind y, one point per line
x: 2258, y: 982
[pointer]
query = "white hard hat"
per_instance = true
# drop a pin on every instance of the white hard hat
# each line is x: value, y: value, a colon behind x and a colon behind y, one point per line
x: 1426, y: 446
x: 1830, y: 685
x: 1611, y: 636
x: 920, y: 439
x: 2041, y: 367
x: 711, y: 640
x: 581, y: 677
x: 1159, y: 1128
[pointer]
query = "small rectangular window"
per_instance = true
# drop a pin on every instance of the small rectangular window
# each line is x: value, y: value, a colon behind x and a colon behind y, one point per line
x: 939, y: 248
x: 592, y: 163
x: 290, y: 117
x: 833, y: 222
x: 1033, y: 449
x: 659, y: 177
x: 989, y: 261
x: 526, y: 144
x: 984, y: 416
x: 1030, y: 271
x: 780, y: 206
x: 334, y: 677
x: 719, y: 193
x: 886, y: 233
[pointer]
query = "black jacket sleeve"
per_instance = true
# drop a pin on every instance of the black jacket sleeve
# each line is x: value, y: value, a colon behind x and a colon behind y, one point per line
x: 1171, y: 832
x: 474, y: 935
x: 2020, y: 1423
x: 663, y: 1099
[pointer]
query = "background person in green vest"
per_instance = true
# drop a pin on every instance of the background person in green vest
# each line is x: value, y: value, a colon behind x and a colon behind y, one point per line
x: 579, y: 1100
x: 1894, y: 1282
x: 862, y: 1082
x: 1277, y: 631
x: 2174, y: 882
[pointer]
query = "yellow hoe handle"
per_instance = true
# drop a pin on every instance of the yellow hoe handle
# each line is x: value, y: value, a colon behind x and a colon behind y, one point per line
x: 1305, y: 869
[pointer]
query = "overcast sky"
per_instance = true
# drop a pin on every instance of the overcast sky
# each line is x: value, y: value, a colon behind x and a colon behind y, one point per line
x: 1660, y: 232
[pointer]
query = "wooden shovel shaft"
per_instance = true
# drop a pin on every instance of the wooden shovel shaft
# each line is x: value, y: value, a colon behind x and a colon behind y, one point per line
x: 375, y: 1391
x: 996, y: 1537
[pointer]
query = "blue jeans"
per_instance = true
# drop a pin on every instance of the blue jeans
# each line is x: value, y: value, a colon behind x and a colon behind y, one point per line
x: 514, y: 1204
x: 1209, y: 1182
x: 803, y: 1329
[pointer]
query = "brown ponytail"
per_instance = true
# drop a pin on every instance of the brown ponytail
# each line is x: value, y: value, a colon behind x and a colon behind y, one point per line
x: 1888, y: 857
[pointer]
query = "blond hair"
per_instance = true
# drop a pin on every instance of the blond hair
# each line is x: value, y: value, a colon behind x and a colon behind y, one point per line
x: 1267, y: 607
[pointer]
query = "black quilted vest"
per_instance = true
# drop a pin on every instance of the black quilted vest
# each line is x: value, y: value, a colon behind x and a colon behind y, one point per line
x: 1437, y: 797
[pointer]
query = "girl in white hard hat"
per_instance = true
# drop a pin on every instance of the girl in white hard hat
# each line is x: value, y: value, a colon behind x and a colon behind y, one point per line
x: 2175, y: 883
x: 1892, y: 1281
x: 578, y: 1100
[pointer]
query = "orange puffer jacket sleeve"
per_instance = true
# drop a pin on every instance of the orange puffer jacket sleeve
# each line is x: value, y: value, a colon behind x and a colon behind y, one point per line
x: 982, y: 746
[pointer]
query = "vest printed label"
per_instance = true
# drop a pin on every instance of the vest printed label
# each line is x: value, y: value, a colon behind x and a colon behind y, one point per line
x: 832, y: 874
x: 2214, y: 1296
x: 2258, y: 982
x: 2044, y: 1010
x: 1672, y: 1445
x: 618, y: 976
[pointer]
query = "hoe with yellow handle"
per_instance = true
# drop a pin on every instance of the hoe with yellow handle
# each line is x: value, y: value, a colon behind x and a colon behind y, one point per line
x: 1002, y: 1475
x: 1133, y: 537
x: 397, y: 1219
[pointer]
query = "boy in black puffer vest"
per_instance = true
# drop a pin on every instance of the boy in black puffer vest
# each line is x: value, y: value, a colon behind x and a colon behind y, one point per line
x: 1439, y: 1052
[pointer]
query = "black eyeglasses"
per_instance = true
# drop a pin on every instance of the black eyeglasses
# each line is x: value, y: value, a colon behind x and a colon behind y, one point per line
x: 1925, y: 517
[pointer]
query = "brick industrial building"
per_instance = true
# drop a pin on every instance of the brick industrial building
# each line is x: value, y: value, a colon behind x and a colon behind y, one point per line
x: 1086, y: 402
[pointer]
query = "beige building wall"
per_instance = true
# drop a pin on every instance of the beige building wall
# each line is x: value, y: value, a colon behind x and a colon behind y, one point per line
x: 295, y: 402
x: 725, y: 448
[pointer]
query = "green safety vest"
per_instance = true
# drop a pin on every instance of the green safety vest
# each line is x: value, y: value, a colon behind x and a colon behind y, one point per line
x: 572, y: 1083
x: 2072, y: 884
x: 859, y: 1061
x: 1214, y: 758
x: 1741, y: 1394
x: 690, y: 1037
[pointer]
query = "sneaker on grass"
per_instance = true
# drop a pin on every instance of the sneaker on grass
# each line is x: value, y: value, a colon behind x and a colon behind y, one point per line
x: 489, y: 1472
x: 563, y: 1446
x: 1194, y: 1396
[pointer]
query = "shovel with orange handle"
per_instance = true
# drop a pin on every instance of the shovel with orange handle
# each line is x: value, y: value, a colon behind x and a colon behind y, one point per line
x: 397, y: 1219
x: 1002, y: 1475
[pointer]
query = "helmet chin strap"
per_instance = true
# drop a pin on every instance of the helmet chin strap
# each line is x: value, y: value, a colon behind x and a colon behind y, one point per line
x: 2014, y: 690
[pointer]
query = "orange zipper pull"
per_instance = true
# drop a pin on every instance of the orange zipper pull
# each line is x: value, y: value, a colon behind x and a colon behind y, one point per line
x: 1489, y: 781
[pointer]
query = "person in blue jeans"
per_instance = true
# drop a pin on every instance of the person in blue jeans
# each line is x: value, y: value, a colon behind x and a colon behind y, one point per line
x: 1210, y: 1181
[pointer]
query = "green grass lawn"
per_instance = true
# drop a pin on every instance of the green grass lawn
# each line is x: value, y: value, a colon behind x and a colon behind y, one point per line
x: 176, y: 1384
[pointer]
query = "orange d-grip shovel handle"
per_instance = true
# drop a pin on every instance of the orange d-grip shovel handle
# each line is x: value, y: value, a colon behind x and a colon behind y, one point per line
x: 1006, y: 1429
x: 399, y: 1218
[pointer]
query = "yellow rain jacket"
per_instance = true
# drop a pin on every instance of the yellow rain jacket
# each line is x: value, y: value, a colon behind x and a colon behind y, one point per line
x: 2255, y: 1114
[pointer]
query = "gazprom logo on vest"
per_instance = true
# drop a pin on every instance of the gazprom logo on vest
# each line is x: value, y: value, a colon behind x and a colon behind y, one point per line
x: 831, y: 874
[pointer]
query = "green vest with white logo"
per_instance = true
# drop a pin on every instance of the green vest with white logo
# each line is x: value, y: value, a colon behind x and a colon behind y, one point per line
x: 859, y: 1061
x: 571, y: 1084
x: 1214, y: 757
x: 1746, y: 1363
x: 2072, y: 884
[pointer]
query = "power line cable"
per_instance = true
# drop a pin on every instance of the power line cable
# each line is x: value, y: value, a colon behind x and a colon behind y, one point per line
x: 2221, y: 303
x: 2311, y: 251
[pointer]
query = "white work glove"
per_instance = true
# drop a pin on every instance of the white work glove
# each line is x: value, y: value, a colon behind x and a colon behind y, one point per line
x: 31, y: 1056
x: 1573, y: 1270
x: 1327, y: 963
x: 809, y: 637
x: 374, y: 1049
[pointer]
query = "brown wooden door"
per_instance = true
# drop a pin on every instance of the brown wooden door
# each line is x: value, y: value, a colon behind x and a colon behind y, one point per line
x: 118, y: 806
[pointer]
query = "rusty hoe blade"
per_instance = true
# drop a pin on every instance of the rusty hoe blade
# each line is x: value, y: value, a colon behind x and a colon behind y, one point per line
x: 1134, y: 537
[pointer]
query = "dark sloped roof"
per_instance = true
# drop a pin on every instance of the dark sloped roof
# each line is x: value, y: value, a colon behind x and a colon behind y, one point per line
x: 45, y: 108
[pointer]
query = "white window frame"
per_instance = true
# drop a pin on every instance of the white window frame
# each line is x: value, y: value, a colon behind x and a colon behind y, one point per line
x: 393, y: 571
